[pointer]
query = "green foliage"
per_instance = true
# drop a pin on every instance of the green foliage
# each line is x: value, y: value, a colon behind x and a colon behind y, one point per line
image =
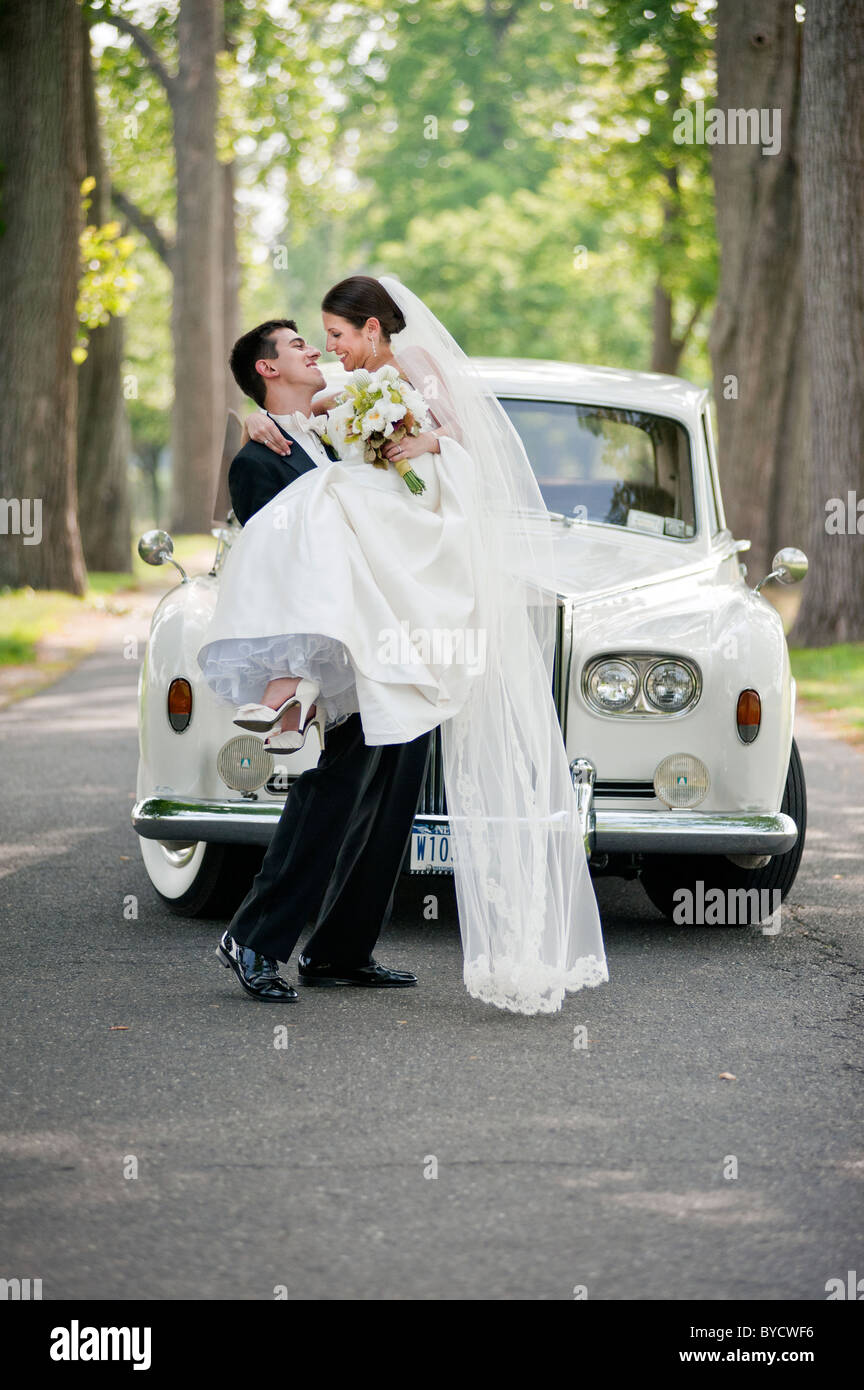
x: 448, y: 102
x: 646, y: 65
x: 529, y: 276
x: 511, y: 160
x: 107, y: 285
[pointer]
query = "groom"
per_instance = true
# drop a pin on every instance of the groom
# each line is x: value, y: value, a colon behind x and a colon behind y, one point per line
x: 337, y: 850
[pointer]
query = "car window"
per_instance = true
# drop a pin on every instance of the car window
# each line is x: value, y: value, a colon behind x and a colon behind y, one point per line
x: 600, y: 463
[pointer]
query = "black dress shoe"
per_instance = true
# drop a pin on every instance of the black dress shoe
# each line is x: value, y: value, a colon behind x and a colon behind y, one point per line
x: 371, y: 975
x: 259, y: 975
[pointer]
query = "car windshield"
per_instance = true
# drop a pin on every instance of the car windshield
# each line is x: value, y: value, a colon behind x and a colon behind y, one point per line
x: 599, y: 463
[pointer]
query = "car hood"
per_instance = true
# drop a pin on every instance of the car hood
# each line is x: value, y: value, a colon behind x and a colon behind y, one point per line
x: 588, y: 561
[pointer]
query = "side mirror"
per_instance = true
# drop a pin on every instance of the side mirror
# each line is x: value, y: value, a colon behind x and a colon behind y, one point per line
x: 157, y: 547
x: 789, y: 566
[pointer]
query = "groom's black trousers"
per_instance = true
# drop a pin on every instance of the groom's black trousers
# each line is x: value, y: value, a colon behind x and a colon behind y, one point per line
x: 335, y: 855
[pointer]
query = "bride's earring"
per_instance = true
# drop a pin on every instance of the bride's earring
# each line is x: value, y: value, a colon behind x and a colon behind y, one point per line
x: 374, y: 342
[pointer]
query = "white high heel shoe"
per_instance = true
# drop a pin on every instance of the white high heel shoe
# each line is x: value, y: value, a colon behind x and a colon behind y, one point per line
x: 261, y: 718
x: 290, y: 740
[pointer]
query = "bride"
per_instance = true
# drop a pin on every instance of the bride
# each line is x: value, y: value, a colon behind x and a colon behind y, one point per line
x: 420, y: 610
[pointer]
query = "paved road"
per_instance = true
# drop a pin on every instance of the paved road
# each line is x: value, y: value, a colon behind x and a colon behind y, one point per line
x: 304, y: 1166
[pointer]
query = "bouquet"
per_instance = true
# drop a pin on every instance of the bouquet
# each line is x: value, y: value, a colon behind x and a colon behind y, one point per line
x: 374, y: 408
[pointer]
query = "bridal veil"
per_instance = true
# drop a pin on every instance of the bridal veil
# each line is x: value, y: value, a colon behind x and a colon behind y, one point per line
x: 527, y: 911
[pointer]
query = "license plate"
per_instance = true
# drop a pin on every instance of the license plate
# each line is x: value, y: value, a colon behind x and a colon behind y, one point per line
x: 431, y: 850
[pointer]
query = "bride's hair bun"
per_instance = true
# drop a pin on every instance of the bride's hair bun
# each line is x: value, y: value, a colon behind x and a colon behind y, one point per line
x: 362, y: 297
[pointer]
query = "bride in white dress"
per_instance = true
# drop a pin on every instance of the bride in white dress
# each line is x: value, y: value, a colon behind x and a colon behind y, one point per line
x: 426, y: 610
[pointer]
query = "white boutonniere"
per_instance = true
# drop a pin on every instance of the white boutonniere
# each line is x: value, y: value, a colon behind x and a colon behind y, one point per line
x: 318, y: 425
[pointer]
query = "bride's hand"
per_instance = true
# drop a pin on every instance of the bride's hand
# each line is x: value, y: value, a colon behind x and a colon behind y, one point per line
x: 412, y: 446
x: 260, y: 427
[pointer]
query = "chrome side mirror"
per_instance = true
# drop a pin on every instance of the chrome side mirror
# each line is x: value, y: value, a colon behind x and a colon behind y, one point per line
x: 789, y: 566
x: 157, y: 547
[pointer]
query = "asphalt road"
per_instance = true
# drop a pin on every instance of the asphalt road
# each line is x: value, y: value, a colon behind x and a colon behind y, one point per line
x: 303, y: 1166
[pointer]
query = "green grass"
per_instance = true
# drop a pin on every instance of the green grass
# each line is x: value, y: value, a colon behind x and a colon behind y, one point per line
x: 26, y: 615
x: 832, y: 680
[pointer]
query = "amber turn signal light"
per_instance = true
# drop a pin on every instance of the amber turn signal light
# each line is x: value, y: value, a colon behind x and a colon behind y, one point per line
x: 179, y: 704
x: 748, y: 715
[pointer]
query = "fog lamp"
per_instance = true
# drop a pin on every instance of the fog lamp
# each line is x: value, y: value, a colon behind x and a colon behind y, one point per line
x: 681, y: 780
x: 242, y: 763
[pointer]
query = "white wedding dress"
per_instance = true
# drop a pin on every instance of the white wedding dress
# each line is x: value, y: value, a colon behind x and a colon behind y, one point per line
x: 348, y: 578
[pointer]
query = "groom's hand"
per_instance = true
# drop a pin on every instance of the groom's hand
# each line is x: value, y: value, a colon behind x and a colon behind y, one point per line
x: 261, y: 428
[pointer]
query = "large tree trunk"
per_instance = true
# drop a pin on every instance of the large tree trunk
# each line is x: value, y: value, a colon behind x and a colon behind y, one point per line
x: 42, y: 158
x: 833, y: 217
x: 757, y: 345
x: 230, y: 286
x: 199, y: 369
x: 103, y: 432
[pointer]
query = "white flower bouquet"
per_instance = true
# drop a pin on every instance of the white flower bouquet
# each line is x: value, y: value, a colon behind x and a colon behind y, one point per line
x: 374, y: 408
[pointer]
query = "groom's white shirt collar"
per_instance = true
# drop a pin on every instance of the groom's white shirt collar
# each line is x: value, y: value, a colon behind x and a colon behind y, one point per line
x: 305, y: 429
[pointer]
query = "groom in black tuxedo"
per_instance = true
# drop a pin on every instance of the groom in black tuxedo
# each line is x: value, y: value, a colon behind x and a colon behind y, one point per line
x: 336, y: 853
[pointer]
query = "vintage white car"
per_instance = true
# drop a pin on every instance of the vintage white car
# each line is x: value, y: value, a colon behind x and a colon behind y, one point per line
x: 672, y: 678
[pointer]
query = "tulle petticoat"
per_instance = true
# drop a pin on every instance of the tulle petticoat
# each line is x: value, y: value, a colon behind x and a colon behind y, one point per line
x: 239, y: 669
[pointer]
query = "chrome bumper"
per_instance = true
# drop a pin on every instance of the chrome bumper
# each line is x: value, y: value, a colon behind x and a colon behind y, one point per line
x: 219, y: 822
x: 646, y: 832
x: 690, y: 832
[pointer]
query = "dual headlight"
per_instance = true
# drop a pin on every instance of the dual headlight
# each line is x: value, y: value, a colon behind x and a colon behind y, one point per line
x: 641, y: 684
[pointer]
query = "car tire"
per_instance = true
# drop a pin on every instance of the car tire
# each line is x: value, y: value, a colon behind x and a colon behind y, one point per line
x: 201, y: 880
x: 665, y: 875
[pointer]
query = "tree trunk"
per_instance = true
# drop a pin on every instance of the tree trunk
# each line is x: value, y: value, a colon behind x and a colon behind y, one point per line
x: 103, y: 432
x: 42, y: 158
x: 757, y: 350
x: 833, y: 216
x: 665, y: 352
x: 199, y: 369
x: 666, y: 349
x: 230, y: 286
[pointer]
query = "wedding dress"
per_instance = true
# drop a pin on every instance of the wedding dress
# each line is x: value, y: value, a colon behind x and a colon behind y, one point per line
x: 351, y: 580
x: 426, y: 610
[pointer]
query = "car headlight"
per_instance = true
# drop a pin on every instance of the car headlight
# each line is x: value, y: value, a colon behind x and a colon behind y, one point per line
x: 669, y: 686
x: 641, y: 685
x: 613, y: 685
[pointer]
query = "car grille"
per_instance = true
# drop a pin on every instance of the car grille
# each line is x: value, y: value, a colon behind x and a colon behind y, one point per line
x: 641, y: 790
x: 433, y: 801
